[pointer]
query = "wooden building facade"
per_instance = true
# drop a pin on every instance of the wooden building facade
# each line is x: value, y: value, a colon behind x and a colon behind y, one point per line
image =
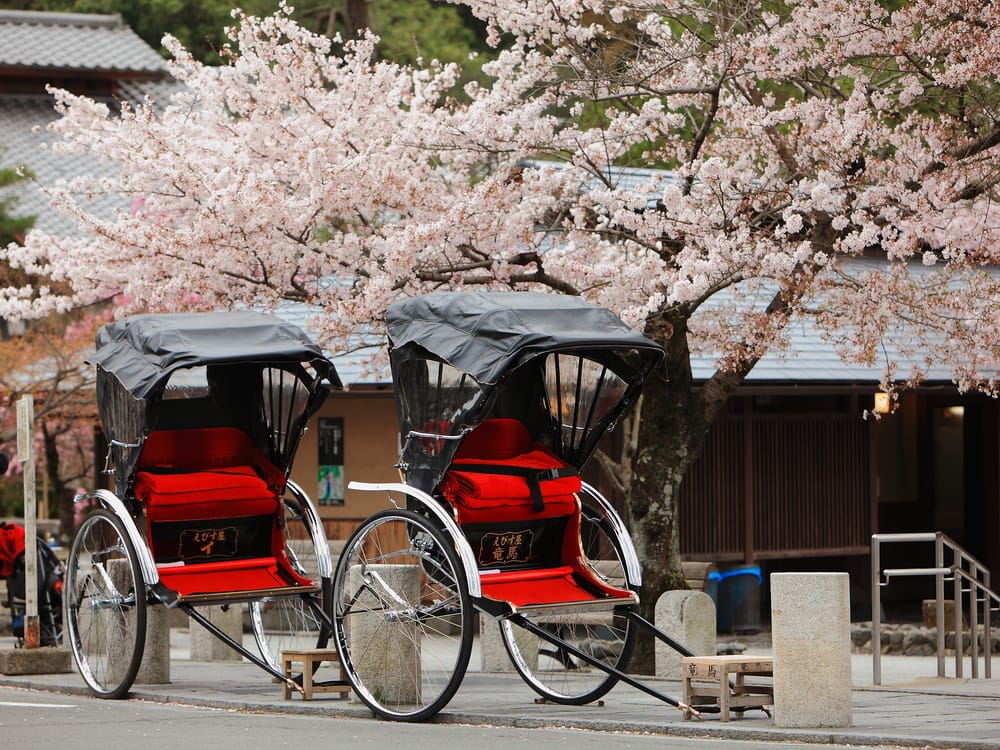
x: 793, y: 480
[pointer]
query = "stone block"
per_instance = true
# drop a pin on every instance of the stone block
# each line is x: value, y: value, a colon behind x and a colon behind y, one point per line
x: 207, y: 647
x: 492, y: 652
x: 154, y: 669
x: 388, y: 657
x: 689, y: 618
x: 811, y: 638
x: 42, y: 660
x: 929, y: 611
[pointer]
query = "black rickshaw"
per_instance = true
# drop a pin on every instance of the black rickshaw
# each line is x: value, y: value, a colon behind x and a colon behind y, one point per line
x: 203, y: 413
x: 502, y: 398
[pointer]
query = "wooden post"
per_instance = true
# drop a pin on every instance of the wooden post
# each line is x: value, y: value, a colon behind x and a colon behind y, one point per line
x: 26, y: 453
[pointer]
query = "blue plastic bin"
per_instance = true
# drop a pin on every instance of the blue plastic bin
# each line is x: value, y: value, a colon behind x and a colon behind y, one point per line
x: 712, y: 587
x: 738, y: 605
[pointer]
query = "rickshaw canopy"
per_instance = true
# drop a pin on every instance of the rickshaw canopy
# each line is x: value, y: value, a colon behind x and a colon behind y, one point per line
x: 486, y: 334
x: 567, y: 369
x: 143, y: 351
x: 261, y: 374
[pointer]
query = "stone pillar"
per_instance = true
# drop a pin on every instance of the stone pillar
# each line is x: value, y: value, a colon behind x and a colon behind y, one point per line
x: 492, y: 651
x: 154, y: 669
x: 387, y: 655
x: 689, y: 618
x: 811, y: 636
x: 205, y: 646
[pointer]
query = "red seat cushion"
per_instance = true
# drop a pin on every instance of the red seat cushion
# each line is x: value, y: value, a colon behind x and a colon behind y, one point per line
x: 480, y: 497
x: 207, y: 448
x: 212, y: 493
x: 483, y: 497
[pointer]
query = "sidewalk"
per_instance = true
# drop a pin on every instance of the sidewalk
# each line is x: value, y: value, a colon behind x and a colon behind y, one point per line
x: 912, y: 708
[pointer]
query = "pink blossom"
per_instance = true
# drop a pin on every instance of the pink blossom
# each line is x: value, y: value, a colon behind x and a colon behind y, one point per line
x: 771, y: 152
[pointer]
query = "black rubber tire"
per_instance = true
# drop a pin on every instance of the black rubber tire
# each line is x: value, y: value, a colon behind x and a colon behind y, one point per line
x: 105, y: 604
x: 401, y: 592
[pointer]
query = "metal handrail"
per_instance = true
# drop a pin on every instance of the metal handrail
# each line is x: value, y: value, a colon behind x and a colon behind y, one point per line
x: 963, y: 569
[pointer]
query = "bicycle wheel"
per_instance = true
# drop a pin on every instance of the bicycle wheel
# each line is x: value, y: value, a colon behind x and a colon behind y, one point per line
x: 609, y: 636
x: 402, y: 615
x: 105, y: 604
x: 294, y: 623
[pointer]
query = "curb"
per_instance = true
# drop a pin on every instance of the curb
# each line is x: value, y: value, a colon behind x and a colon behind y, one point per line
x: 690, y: 730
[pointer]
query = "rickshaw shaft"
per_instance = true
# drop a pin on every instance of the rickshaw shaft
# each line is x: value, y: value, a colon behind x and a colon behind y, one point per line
x: 614, y: 672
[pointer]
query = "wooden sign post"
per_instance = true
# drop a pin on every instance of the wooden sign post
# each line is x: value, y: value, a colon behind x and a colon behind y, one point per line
x: 26, y: 453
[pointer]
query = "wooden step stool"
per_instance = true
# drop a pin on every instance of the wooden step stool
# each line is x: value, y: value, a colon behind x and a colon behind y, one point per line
x: 706, y: 678
x: 310, y: 659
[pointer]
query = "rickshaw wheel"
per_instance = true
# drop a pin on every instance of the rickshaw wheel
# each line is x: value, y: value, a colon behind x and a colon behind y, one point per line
x: 293, y: 623
x: 105, y: 604
x: 609, y: 636
x: 403, y: 618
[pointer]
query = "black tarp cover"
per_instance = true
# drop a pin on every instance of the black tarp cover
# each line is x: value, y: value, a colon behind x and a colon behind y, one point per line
x: 142, y: 351
x: 136, y: 356
x: 485, y: 334
x: 492, y: 338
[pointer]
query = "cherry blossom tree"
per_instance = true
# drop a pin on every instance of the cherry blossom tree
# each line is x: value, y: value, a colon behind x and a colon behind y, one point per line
x: 713, y: 171
x: 46, y: 364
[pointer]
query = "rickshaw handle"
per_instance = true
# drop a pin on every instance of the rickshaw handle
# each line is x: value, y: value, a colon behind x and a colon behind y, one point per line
x: 112, y: 444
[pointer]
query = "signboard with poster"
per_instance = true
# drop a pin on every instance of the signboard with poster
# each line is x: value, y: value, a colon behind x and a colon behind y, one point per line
x: 331, y: 461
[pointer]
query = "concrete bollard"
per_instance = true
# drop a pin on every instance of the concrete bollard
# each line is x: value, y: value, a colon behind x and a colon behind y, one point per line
x: 811, y: 636
x: 389, y: 659
x: 154, y: 669
x: 492, y: 652
x: 205, y: 646
x: 689, y: 618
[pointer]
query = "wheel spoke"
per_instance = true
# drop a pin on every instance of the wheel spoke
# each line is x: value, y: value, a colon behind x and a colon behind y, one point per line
x: 402, y: 616
x: 293, y: 622
x: 608, y: 636
x: 106, y: 606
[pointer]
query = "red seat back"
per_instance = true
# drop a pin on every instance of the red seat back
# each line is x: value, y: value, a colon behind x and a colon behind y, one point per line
x: 499, y: 438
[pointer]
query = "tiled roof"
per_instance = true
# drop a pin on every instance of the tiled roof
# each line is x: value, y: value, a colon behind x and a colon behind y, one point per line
x: 810, y: 357
x: 811, y: 360
x: 353, y: 367
x: 99, y: 46
x: 74, y: 41
x: 22, y: 142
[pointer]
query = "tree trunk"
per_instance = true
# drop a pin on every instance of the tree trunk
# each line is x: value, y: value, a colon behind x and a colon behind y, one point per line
x: 662, y: 459
x: 674, y: 422
x: 355, y: 17
x: 60, y: 494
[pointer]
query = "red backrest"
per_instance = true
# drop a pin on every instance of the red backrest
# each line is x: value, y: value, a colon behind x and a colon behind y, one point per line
x: 498, y: 439
x: 207, y: 448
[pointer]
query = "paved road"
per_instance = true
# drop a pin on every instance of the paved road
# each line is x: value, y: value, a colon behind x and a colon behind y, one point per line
x: 912, y: 708
x: 32, y: 719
